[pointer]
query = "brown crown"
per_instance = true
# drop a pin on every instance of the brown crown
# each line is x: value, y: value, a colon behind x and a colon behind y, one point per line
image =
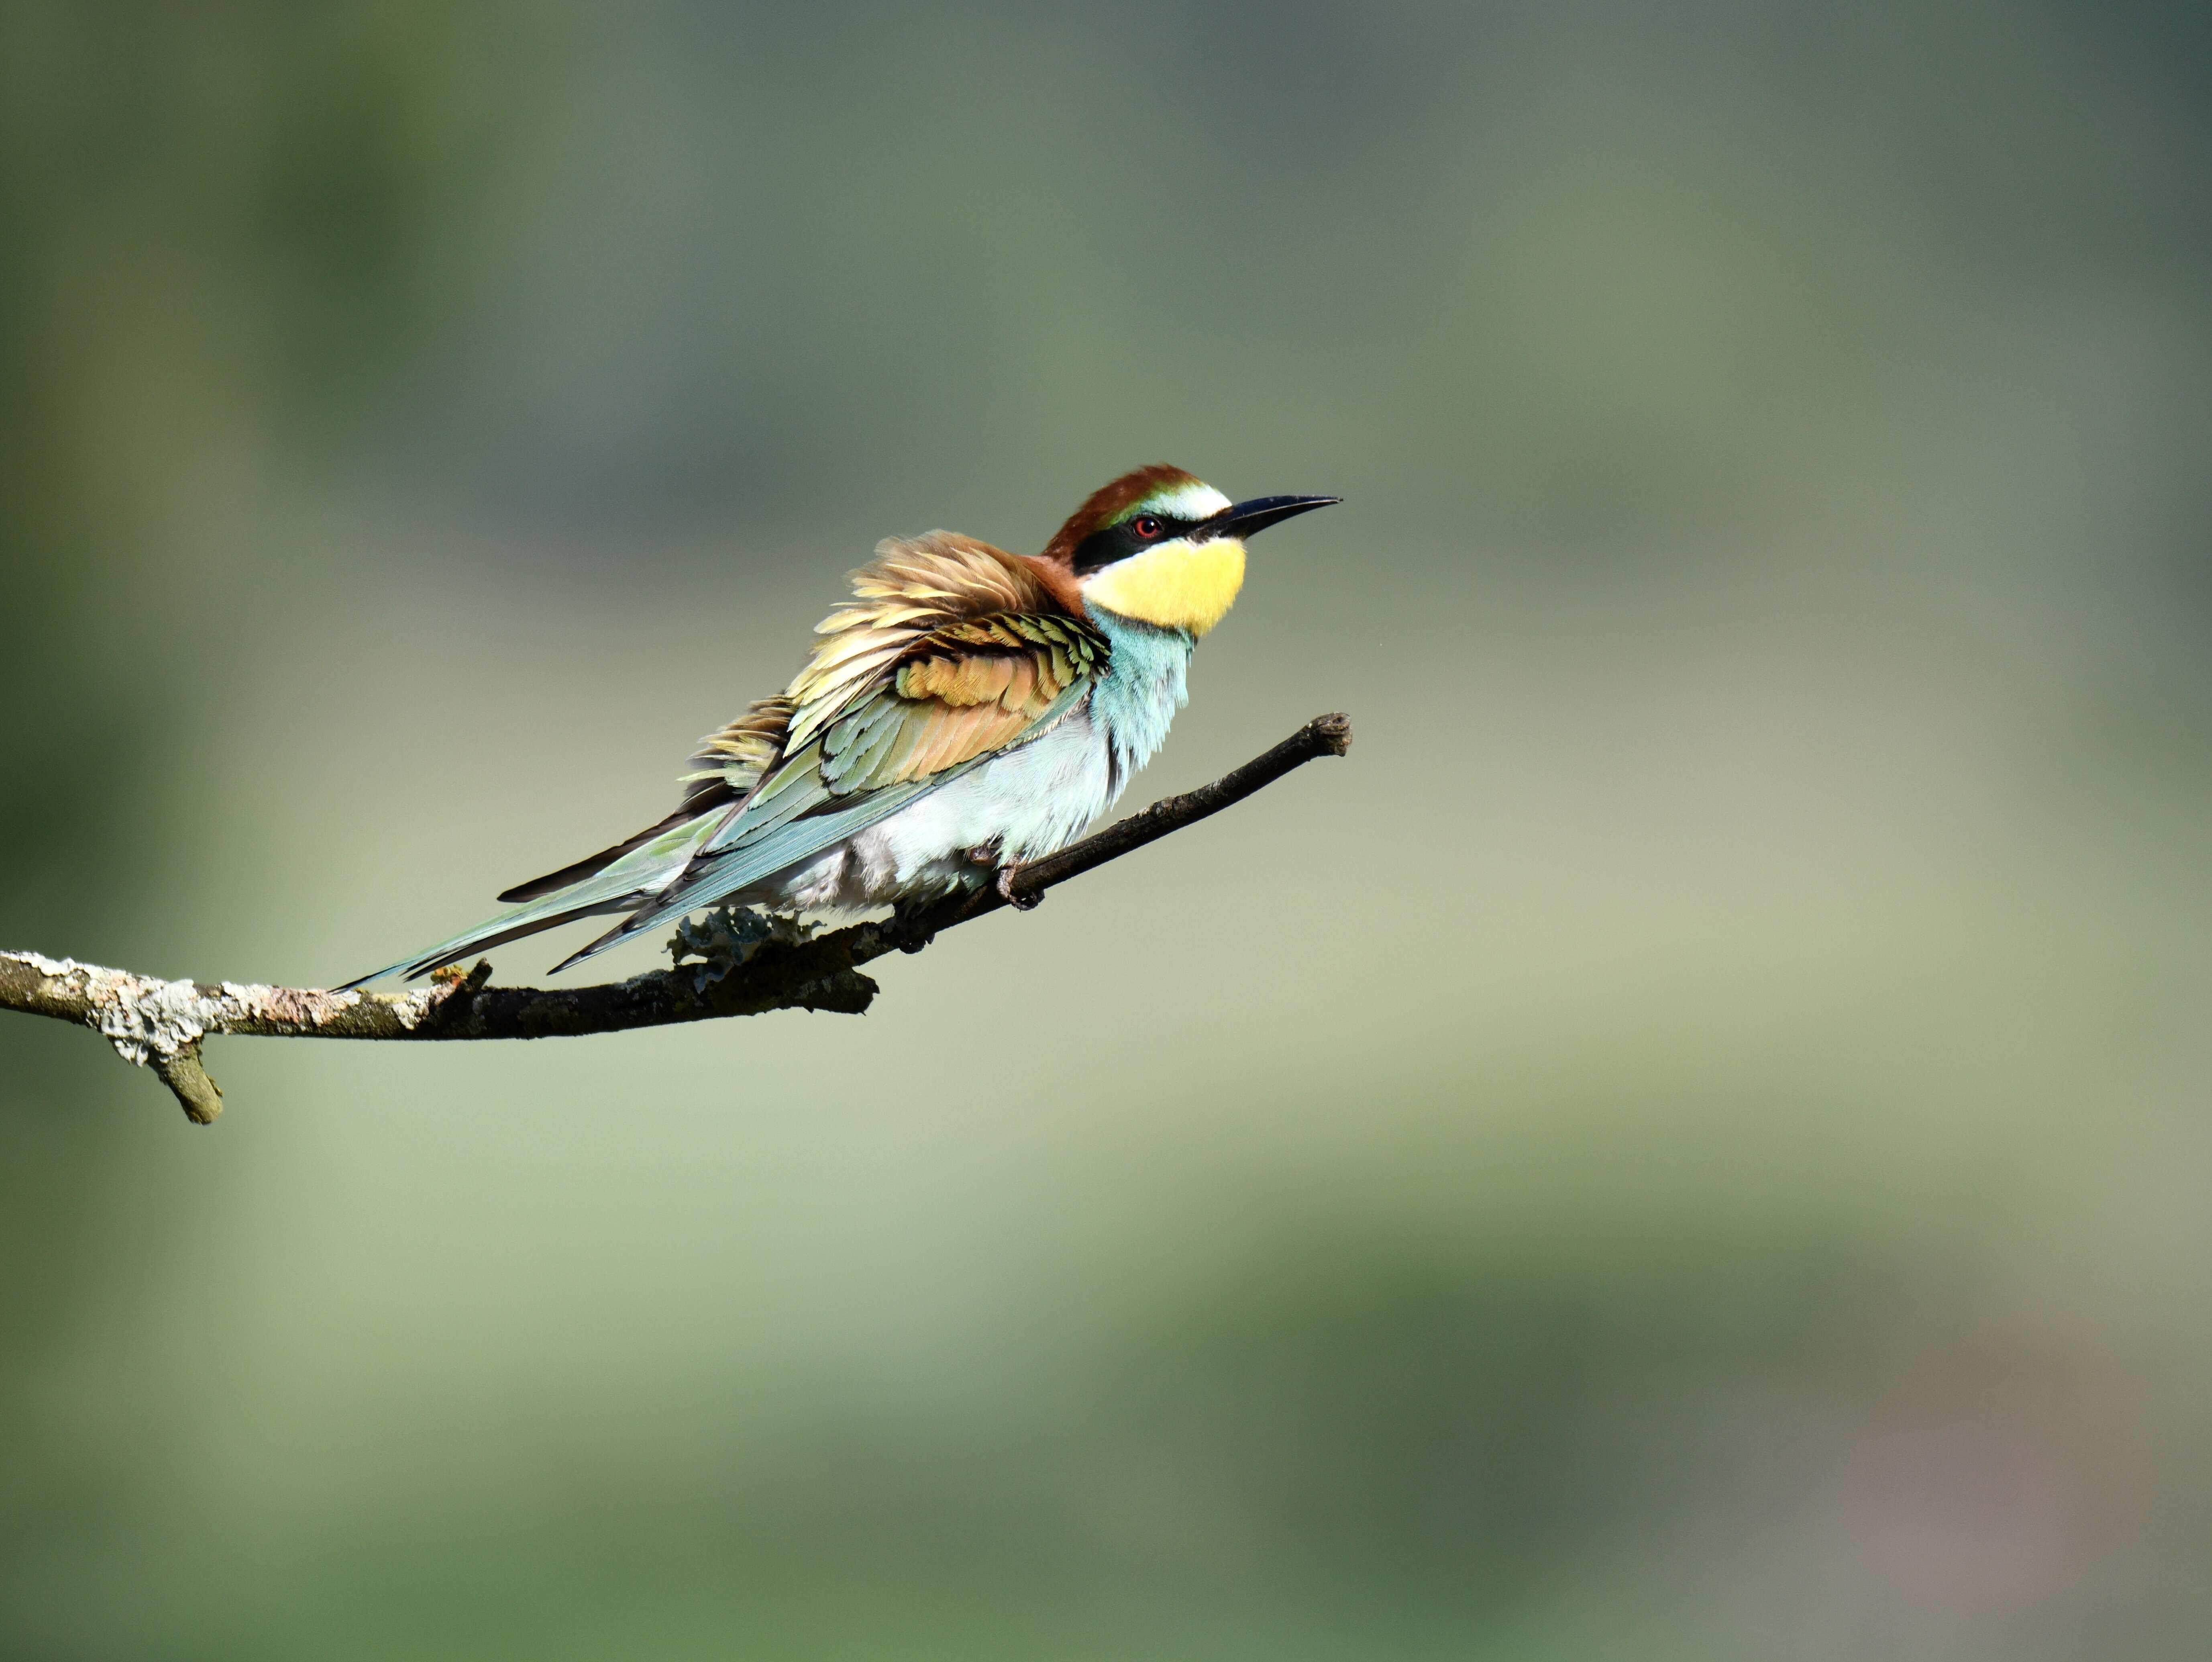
x: 1108, y: 503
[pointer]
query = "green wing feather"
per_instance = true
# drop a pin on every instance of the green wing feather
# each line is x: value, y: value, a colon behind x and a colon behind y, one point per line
x: 824, y: 820
x: 962, y: 695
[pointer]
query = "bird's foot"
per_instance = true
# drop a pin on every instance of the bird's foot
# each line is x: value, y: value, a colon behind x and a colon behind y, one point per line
x: 907, y: 927
x: 1020, y: 903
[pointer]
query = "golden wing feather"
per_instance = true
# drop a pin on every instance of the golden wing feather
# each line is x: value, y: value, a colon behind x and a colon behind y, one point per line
x: 962, y: 648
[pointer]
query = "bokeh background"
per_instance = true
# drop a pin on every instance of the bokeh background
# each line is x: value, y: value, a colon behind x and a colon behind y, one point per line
x: 1694, y: 1141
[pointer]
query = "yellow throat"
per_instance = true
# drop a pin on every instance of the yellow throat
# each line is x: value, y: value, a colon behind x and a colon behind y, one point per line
x: 1178, y: 585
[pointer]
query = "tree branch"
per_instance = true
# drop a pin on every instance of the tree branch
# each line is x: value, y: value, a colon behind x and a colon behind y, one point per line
x: 750, y: 965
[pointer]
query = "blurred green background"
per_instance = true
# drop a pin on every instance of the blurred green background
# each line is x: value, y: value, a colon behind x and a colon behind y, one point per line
x: 1693, y: 1142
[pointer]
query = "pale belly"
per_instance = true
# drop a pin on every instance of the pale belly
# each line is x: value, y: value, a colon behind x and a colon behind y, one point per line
x: 1018, y: 806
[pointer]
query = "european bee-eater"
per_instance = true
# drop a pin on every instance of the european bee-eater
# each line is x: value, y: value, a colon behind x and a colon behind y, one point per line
x: 968, y: 710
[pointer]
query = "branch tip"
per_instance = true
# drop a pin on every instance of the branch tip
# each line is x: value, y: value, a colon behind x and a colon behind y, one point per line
x: 197, y: 1094
x: 1333, y: 732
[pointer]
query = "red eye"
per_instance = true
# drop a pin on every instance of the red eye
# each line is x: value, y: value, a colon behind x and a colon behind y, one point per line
x: 1146, y: 527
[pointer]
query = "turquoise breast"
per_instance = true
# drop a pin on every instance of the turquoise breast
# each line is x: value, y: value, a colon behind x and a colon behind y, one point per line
x: 1147, y: 680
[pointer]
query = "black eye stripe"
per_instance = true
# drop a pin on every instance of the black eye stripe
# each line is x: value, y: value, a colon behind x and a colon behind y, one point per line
x: 1117, y: 542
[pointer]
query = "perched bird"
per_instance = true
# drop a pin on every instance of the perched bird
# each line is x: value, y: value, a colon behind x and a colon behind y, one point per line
x: 968, y: 710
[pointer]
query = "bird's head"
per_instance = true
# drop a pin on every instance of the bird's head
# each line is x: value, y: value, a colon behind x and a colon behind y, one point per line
x: 1164, y: 548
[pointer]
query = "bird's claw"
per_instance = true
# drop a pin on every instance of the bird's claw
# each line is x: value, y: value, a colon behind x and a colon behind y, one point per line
x: 1020, y: 903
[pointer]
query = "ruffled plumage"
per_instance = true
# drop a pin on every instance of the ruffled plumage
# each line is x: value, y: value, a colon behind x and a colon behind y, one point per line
x: 951, y: 652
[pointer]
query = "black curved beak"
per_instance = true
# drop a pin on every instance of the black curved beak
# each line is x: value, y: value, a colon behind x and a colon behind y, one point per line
x: 1245, y: 518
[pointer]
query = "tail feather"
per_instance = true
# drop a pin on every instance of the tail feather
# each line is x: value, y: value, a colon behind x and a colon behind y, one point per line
x: 592, y: 865
x: 481, y: 939
x: 598, y: 944
x: 628, y: 876
x: 714, y: 878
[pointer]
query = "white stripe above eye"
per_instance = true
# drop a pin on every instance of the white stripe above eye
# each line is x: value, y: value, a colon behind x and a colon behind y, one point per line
x: 1184, y: 502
